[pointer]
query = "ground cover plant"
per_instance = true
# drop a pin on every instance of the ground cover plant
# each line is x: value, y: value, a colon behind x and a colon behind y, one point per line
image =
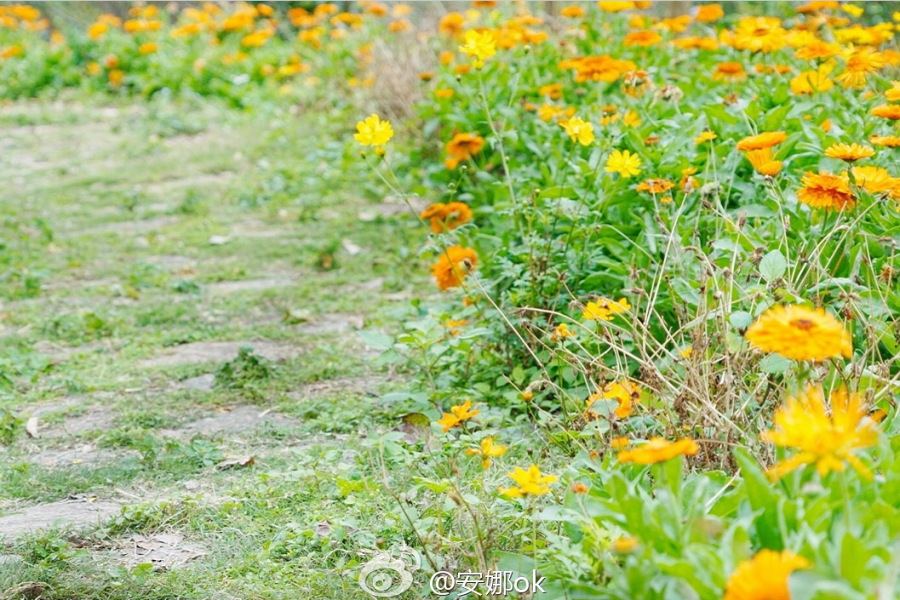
x: 601, y: 294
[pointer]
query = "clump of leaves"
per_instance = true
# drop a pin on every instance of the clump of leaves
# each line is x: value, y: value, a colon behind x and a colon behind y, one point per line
x: 10, y: 426
x: 247, y: 368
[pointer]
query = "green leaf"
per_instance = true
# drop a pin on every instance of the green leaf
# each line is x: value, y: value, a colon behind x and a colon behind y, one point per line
x: 772, y: 266
x: 376, y: 340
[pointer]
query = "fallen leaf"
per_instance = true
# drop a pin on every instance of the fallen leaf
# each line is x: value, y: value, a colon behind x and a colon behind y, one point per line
x: 31, y: 427
x: 350, y: 247
x: 243, y: 461
x: 323, y: 528
x: 218, y: 240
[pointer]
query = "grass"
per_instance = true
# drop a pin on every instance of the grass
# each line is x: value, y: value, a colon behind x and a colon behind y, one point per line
x: 109, y: 263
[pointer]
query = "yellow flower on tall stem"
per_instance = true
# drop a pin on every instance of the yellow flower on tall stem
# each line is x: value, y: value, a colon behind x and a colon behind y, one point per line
x: 479, y: 44
x: 373, y: 131
x: 800, y: 333
x: 457, y: 415
x: 849, y: 152
x: 528, y: 483
x: 579, y: 131
x: 624, y: 163
x: 764, y: 577
x: 487, y: 450
x: 827, y: 441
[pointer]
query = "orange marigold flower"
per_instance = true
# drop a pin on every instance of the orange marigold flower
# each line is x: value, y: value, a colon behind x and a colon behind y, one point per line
x: 465, y: 145
x: 889, y: 141
x: 655, y: 186
x: 733, y: 71
x: 644, y: 38
x: 707, y: 13
x: 453, y: 266
x: 826, y: 190
x: 817, y: 49
x: 800, y: 333
x: 572, y: 12
x: 659, y: 450
x: 860, y: 62
x: 765, y: 576
x: 452, y: 23
x: 763, y: 140
x: 444, y: 217
x: 886, y: 111
x: 849, y: 152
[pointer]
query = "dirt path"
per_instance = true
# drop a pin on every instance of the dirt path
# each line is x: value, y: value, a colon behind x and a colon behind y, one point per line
x: 180, y: 340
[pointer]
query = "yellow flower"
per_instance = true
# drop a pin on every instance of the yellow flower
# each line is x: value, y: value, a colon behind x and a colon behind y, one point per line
x: 625, y: 544
x: 528, y: 483
x: 706, y: 136
x: 849, y: 153
x: 826, y: 190
x: 764, y: 577
x: 373, y: 131
x: 800, y: 333
x: 487, y: 451
x: 457, y: 415
x: 886, y: 111
x: 579, y: 131
x: 453, y: 266
x: 860, y: 62
x: 625, y: 393
x: 687, y: 352
x: 619, y: 443
x: 624, y: 163
x: 808, y: 82
x: 480, y: 45
x: 605, y: 309
x: 659, y: 450
x: 874, y: 180
x: 561, y: 332
x: 826, y: 441
x: 655, y: 186
x: 148, y: 48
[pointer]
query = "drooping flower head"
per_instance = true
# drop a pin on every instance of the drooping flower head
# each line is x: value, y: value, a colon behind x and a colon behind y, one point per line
x: 800, y: 333
x: 763, y: 162
x: 763, y: 140
x: 487, y: 450
x: 827, y: 441
x: 659, y: 450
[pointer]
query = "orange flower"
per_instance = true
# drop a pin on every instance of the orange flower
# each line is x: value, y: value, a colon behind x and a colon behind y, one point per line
x: 655, y: 186
x: 889, y: 141
x: 644, y: 38
x: 763, y: 140
x: 659, y: 450
x: 849, y: 153
x: 457, y: 415
x: 887, y: 111
x: 465, y: 145
x: 453, y: 266
x: 452, y: 23
x: 733, y: 71
x: 763, y: 162
x: 826, y: 190
x: 444, y: 217
x: 708, y: 13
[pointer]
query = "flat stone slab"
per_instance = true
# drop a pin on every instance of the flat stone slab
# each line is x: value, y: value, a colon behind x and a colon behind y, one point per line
x: 249, y: 285
x: 202, y: 352
x: 163, y: 551
x: 239, y: 419
x: 66, y: 513
x: 87, y: 454
x: 331, y: 323
x: 94, y: 418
